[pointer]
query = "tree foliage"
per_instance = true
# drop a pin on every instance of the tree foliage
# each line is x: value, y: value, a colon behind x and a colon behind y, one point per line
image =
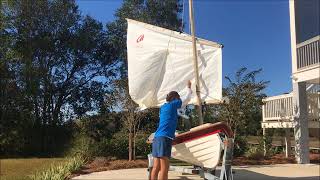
x: 131, y: 116
x: 57, y: 65
x: 243, y: 109
x: 51, y: 59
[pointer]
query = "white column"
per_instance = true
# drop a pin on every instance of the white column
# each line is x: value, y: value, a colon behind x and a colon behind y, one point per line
x: 293, y: 36
x: 264, y: 142
x: 301, y: 131
x: 288, y: 142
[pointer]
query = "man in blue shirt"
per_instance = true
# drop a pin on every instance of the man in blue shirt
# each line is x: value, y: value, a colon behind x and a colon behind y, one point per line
x: 162, y: 142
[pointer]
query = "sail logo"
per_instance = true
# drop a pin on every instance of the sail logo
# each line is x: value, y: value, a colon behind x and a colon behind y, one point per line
x: 140, y: 38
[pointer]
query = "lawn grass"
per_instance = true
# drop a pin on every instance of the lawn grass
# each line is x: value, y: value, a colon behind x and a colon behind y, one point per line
x: 20, y: 169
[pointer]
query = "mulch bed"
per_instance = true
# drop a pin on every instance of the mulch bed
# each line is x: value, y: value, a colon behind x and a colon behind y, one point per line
x: 105, y: 164
x: 276, y: 159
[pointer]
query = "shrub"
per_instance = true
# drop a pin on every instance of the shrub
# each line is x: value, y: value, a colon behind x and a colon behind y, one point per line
x: 117, y: 146
x: 277, y: 150
x: 60, y: 172
x: 267, y: 142
x: 82, y: 146
x: 142, y: 148
x: 240, y: 146
x: 255, y: 152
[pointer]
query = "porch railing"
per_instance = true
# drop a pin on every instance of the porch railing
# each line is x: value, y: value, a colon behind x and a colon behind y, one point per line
x: 280, y: 108
x: 308, y: 53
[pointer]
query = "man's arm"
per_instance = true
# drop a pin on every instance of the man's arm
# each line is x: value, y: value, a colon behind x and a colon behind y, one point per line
x: 182, y: 102
x: 185, y: 100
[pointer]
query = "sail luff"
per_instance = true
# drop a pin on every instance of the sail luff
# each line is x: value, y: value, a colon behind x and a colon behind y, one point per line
x: 195, y: 62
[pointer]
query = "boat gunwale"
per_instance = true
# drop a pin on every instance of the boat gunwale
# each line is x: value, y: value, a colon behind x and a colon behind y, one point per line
x: 219, y: 127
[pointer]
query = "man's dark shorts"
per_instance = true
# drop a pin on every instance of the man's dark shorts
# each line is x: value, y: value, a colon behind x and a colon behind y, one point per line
x: 161, y: 147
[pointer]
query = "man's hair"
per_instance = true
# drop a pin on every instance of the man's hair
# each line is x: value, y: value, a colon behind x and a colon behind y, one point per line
x: 172, y: 95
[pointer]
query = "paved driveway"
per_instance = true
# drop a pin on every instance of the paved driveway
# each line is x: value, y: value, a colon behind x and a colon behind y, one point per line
x: 270, y: 172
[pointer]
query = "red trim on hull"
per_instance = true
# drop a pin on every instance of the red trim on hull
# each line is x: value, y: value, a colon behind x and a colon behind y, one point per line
x: 203, y: 131
x: 198, y: 137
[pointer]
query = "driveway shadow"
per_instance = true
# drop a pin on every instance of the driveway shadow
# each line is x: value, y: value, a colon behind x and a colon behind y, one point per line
x: 242, y: 174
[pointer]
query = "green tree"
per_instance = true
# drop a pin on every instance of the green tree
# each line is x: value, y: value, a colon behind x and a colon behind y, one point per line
x: 243, y: 112
x: 52, y: 59
x: 12, y: 110
x: 243, y: 109
x: 131, y: 116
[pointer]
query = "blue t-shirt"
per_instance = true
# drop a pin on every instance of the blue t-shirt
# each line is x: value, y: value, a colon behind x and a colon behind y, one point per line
x: 168, y: 119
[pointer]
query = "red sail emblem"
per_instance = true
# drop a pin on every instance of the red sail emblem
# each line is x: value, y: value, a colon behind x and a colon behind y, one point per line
x: 140, y: 38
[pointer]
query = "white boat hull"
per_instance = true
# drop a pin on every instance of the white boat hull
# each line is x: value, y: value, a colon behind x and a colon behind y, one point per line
x: 203, y: 151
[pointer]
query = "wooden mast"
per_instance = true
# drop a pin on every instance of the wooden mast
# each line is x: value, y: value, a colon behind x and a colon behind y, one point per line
x: 195, y: 61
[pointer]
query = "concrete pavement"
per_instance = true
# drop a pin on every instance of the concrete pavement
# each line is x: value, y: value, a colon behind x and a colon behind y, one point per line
x: 269, y: 172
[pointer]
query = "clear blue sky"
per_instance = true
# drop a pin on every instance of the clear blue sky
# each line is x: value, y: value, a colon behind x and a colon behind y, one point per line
x: 255, y: 34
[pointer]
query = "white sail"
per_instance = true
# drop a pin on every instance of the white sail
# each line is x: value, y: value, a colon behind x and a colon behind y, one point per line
x: 160, y: 61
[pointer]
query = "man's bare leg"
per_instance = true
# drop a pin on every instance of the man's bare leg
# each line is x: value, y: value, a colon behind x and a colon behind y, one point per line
x: 155, y: 168
x: 164, y: 168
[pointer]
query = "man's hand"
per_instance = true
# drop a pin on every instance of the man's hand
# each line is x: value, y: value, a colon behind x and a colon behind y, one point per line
x: 189, y: 84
